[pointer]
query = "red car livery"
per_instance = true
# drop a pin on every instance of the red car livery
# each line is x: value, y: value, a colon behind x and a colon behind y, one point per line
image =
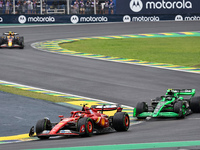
x: 84, y: 123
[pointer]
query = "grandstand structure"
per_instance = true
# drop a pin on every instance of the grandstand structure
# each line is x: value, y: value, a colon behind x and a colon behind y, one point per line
x: 68, y: 7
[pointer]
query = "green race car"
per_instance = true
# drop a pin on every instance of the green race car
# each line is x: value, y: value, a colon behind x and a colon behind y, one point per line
x: 176, y: 103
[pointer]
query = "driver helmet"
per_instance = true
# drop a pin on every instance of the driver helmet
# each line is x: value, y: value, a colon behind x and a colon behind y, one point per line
x: 10, y: 33
x: 170, y: 92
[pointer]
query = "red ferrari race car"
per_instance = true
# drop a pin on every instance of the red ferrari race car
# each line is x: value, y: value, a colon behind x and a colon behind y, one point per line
x: 84, y: 123
x: 11, y: 40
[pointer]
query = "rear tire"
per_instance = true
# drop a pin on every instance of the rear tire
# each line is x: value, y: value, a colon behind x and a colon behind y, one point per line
x: 195, y: 104
x: 21, y: 42
x: 140, y: 108
x: 1, y: 41
x: 178, y: 108
x: 85, y: 126
x: 41, y: 125
x: 121, y: 121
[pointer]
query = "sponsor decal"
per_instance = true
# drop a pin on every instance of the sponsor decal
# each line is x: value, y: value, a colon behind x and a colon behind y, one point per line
x: 137, y: 5
x: 94, y: 19
x: 179, y: 18
x: 65, y: 131
x: 126, y: 18
x: 169, y: 5
x: 23, y: 19
x: 187, y: 18
x: 98, y: 120
x: 41, y: 19
x: 74, y: 19
x: 1, y: 19
x: 146, y: 18
x: 192, y: 18
x: 45, y: 132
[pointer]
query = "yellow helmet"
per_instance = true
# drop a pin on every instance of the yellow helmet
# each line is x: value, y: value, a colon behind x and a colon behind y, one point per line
x: 10, y: 33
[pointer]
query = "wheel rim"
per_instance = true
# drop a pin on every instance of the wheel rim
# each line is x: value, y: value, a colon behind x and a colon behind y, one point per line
x: 183, y: 110
x: 126, y: 121
x: 82, y: 129
x: 89, y: 127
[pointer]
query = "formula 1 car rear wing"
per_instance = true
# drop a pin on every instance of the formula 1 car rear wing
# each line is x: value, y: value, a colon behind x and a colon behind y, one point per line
x: 106, y: 107
x: 6, y: 33
x: 182, y: 91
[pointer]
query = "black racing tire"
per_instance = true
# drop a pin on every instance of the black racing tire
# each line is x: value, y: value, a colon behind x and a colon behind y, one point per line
x: 85, y: 127
x: 140, y: 108
x: 41, y: 125
x: 1, y: 41
x: 195, y: 104
x: 121, y: 121
x: 178, y: 108
x: 21, y: 42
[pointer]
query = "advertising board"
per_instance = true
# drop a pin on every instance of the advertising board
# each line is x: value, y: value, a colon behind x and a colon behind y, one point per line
x: 157, y: 7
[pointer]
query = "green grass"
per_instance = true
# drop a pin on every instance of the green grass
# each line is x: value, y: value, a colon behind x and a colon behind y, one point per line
x: 31, y: 94
x: 184, y: 51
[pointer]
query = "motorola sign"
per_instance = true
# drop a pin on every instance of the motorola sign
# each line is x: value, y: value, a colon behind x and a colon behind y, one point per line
x: 88, y: 19
x: 187, y: 18
x: 126, y: 18
x: 22, y: 19
x: 74, y: 19
x: 36, y: 19
x: 136, y: 5
x: 157, y: 6
x: 1, y: 19
x: 169, y: 4
x: 179, y: 18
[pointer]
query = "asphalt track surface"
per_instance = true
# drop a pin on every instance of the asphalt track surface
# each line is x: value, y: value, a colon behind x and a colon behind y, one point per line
x: 18, y: 112
x: 115, y: 82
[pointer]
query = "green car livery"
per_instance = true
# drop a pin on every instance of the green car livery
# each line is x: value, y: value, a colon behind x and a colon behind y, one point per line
x: 176, y: 103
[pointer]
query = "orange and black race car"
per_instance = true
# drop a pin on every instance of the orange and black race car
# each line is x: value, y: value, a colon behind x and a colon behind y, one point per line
x: 83, y: 123
x: 11, y: 40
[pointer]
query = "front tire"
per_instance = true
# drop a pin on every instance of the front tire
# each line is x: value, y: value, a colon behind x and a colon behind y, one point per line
x: 85, y: 126
x: 140, y: 108
x: 179, y: 108
x: 121, y: 121
x: 41, y: 125
x: 195, y: 104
